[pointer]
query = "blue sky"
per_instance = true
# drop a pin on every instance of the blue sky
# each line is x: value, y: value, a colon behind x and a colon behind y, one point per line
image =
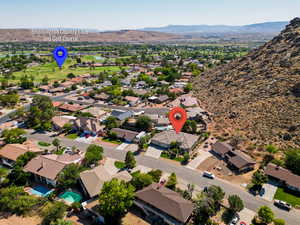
x: 127, y: 14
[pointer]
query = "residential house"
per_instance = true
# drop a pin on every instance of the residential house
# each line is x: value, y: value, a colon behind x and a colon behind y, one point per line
x: 45, y: 170
x: 283, y: 176
x: 102, y: 97
x: 126, y: 135
x: 165, y: 138
x: 235, y: 158
x: 10, y: 152
x: 97, y: 112
x: 59, y: 121
x: 93, y: 180
x: 55, y: 90
x: 71, y: 107
x: 133, y: 101
x: 164, y: 203
x: 185, y: 101
x: 161, y: 99
x: 140, y: 91
x: 121, y: 115
x: 88, y: 125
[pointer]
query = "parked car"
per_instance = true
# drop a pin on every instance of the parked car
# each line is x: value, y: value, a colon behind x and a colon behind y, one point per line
x: 208, y: 175
x: 283, y: 205
x: 235, y: 219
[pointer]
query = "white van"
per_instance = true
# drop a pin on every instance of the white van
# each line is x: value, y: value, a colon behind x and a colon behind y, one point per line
x: 209, y: 175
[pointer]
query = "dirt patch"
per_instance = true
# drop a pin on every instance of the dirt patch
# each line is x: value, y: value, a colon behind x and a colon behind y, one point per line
x: 219, y: 168
x: 132, y: 219
x: 13, y: 220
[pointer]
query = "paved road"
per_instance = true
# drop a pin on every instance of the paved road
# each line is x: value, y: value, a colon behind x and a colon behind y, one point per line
x: 192, y: 176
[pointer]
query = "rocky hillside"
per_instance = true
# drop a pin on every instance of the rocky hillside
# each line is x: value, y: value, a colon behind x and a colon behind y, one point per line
x: 255, y: 100
x: 26, y: 35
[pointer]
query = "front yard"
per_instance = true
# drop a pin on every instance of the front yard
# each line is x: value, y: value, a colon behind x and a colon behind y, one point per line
x: 72, y: 136
x: 283, y: 195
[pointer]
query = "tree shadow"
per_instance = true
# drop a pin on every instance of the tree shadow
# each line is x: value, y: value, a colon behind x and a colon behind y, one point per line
x: 227, y: 216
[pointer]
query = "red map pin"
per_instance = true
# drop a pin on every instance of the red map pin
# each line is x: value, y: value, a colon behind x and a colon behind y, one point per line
x: 177, y: 117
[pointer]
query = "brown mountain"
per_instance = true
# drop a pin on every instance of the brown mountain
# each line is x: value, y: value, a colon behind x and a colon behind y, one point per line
x: 26, y: 35
x: 255, y: 100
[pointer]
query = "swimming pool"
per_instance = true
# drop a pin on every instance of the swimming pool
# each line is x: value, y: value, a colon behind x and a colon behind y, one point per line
x: 40, y: 191
x: 70, y: 196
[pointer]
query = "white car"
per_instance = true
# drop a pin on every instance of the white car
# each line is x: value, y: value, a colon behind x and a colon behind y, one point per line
x: 234, y: 220
x: 209, y: 175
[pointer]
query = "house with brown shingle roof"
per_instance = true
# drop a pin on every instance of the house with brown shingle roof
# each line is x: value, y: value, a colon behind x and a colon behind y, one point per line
x: 93, y: 180
x: 45, y: 170
x: 126, y: 135
x: 10, y: 152
x: 284, y: 176
x: 238, y: 160
x: 71, y: 107
x: 59, y: 121
x: 165, y: 138
x: 164, y: 203
x: 88, y: 125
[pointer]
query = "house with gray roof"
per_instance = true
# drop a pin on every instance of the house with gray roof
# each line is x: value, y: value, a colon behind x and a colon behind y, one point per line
x: 165, y: 138
x: 121, y: 115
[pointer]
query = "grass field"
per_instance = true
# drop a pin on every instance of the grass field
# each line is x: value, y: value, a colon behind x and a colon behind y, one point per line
x: 281, y: 194
x: 54, y: 73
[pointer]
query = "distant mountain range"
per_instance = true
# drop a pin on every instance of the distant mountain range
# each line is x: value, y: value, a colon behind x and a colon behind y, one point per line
x: 267, y: 27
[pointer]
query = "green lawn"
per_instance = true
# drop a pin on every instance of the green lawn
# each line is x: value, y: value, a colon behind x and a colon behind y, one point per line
x: 119, y: 164
x: 166, y: 156
x: 44, y: 144
x: 106, y: 139
x: 281, y: 194
x: 72, y: 136
x: 54, y: 73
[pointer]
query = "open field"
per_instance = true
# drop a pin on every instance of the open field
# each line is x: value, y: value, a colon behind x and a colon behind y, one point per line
x: 54, y: 73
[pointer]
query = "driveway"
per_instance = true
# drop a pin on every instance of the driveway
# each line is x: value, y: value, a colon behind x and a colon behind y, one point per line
x: 246, y: 215
x: 122, y: 146
x: 202, y: 156
x: 270, y: 190
x: 153, y: 152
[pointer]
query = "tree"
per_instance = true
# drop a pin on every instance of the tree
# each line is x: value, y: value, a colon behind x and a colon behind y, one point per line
x: 172, y: 181
x: 258, y: 179
x: 292, y: 160
x: 26, y: 82
x: 61, y: 222
x: 188, y: 88
x: 141, y: 180
x: 216, y: 193
x: 190, y: 126
x: 265, y: 215
x: 235, y: 203
x: 279, y: 222
x: 67, y: 127
x: 143, y: 143
x: 204, y: 208
x: 186, y: 158
x: 69, y: 175
x: 155, y: 174
x: 40, y: 113
x: 14, y: 136
x: 52, y: 212
x: 10, y: 99
x: 174, y: 149
x: 56, y: 142
x: 16, y: 200
x: 143, y: 123
x: 271, y: 149
x: 111, y: 122
x: 22, y: 160
x: 130, y: 161
x: 93, y: 155
x: 45, y: 80
x: 115, y: 199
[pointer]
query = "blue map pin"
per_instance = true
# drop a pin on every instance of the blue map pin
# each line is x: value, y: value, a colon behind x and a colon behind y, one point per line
x: 60, y: 54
